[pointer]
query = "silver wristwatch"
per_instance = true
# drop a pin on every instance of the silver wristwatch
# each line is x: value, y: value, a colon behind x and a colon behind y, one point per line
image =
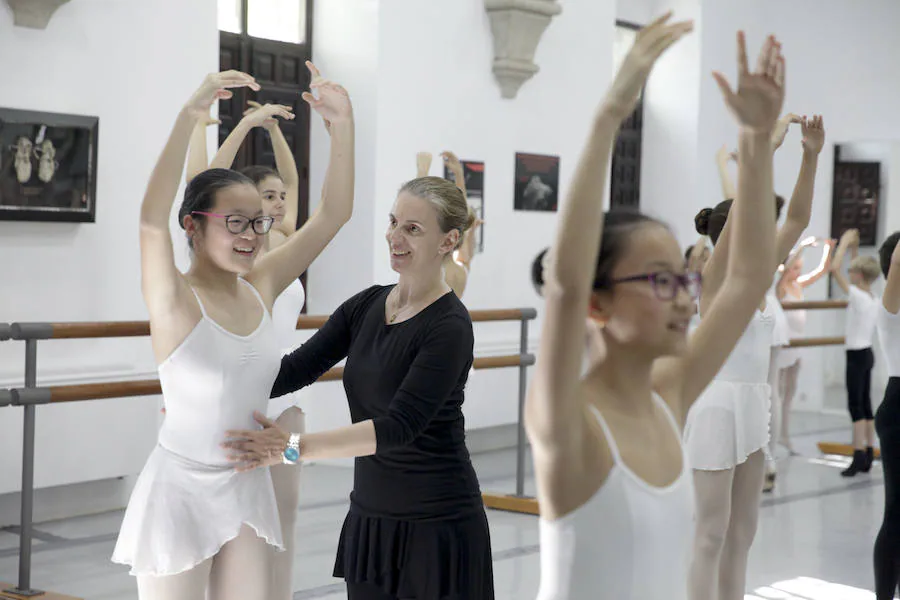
x: 292, y: 452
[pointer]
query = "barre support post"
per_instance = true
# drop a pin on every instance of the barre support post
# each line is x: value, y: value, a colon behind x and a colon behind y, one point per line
x: 520, y: 429
x: 24, y: 587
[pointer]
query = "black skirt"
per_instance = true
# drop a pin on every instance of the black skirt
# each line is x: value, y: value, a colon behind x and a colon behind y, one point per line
x: 426, y: 560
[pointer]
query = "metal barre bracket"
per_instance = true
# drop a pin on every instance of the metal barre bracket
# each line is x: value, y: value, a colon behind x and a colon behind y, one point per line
x: 31, y: 331
x: 4, y: 332
x: 26, y: 396
x: 529, y: 313
x: 6, y: 397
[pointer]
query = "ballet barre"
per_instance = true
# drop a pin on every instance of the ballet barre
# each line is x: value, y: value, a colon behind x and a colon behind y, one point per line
x: 29, y: 396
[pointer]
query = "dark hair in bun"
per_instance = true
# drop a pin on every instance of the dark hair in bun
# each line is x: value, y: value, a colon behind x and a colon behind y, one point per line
x: 537, y: 271
x: 701, y: 221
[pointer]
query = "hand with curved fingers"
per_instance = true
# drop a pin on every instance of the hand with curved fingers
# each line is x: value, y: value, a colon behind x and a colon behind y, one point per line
x: 757, y: 101
x: 252, y: 449
x: 813, y: 134
x: 781, y: 129
x: 650, y: 43
x: 264, y: 116
x: 217, y: 86
x: 267, y: 113
x: 451, y: 160
x: 333, y: 102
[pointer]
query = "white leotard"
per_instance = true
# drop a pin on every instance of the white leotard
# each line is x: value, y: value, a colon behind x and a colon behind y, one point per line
x: 188, y: 500
x: 629, y: 540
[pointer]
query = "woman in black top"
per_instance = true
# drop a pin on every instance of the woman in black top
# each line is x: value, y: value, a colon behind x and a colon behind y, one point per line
x: 416, y: 528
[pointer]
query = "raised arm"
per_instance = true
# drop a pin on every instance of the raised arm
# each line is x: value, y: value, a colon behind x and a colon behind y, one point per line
x: 714, y: 272
x: 800, y: 207
x: 552, y: 407
x: 850, y: 237
x: 723, y: 157
x: 164, y: 289
x: 278, y: 268
x: 824, y: 266
x: 423, y: 164
x: 287, y: 170
x: 756, y: 105
x: 255, y: 116
x: 197, y: 157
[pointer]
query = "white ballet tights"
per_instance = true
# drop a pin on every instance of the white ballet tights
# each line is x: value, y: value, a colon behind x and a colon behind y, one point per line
x: 286, y: 479
x: 239, y: 571
x: 726, y: 520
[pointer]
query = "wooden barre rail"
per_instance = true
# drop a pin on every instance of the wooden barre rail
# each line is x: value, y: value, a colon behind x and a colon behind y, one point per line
x: 121, y: 329
x: 814, y: 304
x: 818, y: 341
x: 150, y: 387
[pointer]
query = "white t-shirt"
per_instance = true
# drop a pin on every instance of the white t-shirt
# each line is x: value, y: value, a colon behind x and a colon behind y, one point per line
x: 862, y: 310
x: 889, y: 335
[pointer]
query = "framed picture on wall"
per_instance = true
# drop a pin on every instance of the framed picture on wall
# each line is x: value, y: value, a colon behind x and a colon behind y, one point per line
x: 48, y: 166
x: 473, y: 172
x: 537, y: 182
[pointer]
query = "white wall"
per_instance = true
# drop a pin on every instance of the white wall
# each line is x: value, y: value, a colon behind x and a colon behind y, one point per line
x: 438, y: 93
x: 836, y: 66
x: 132, y: 64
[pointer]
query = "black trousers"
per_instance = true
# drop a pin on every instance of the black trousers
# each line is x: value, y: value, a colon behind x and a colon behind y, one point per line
x: 859, y: 382
x: 887, y: 544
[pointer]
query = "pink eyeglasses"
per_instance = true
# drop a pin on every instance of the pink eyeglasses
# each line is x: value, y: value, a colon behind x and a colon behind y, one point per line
x: 238, y: 224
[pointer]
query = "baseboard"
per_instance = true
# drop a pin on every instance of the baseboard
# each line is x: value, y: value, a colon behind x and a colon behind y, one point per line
x: 66, y: 501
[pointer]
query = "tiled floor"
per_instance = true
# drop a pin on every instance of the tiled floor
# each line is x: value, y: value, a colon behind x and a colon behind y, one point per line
x: 814, y: 541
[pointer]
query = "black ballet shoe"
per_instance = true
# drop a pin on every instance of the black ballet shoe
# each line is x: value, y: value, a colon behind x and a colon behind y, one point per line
x: 859, y: 461
x: 870, y: 458
x: 769, y: 485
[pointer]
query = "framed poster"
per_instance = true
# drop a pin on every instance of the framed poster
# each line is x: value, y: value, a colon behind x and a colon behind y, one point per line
x: 48, y: 166
x: 473, y: 173
x: 537, y: 182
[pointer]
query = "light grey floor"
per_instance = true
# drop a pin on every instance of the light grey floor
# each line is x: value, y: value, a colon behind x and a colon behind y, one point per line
x: 814, y: 542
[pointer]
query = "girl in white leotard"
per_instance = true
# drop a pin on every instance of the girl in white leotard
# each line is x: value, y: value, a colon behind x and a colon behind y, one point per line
x: 615, y: 491
x: 790, y: 289
x: 727, y: 429
x: 194, y: 526
x: 280, y: 192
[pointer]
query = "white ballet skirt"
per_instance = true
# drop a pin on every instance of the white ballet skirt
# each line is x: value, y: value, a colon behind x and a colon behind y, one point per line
x: 730, y: 419
x: 189, y: 501
x: 285, y: 311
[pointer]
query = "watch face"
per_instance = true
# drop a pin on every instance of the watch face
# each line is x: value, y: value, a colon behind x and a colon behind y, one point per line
x: 291, y: 454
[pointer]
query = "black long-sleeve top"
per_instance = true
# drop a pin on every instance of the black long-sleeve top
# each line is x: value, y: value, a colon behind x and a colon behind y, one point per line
x: 408, y: 378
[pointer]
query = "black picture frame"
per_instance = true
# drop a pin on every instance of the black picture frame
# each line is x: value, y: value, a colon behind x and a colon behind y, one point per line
x: 536, y: 183
x: 61, y: 182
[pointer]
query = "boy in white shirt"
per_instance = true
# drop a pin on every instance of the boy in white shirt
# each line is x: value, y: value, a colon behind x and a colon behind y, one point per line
x: 862, y: 310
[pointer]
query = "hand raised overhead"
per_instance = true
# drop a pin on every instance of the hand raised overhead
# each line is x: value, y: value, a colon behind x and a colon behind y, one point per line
x: 813, y: 134
x: 264, y: 115
x: 757, y: 101
x: 781, y: 129
x: 216, y: 86
x: 650, y: 43
x: 333, y: 101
